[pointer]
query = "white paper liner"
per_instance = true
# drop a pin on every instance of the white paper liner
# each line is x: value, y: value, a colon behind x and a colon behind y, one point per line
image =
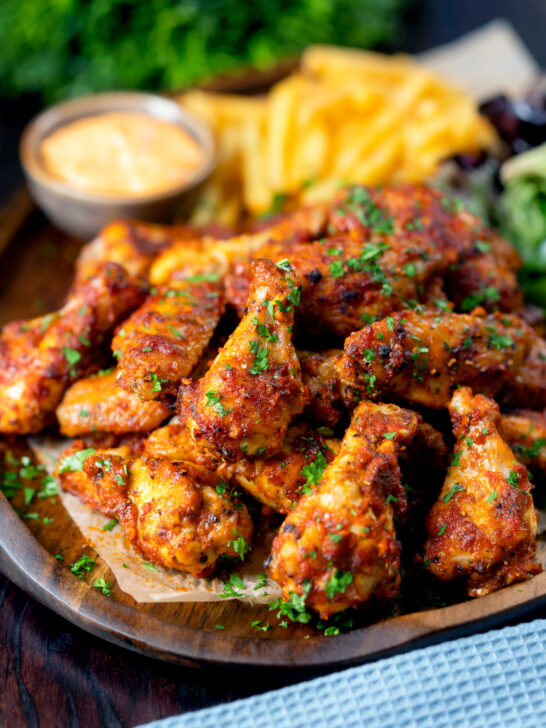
x: 154, y: 584
x: 490, y: 60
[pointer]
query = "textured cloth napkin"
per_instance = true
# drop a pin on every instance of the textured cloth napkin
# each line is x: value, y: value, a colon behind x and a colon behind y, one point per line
x: 490, y: 680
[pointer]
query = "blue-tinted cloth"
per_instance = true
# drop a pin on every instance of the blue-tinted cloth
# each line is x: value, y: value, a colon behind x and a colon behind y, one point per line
x: 490, y: 680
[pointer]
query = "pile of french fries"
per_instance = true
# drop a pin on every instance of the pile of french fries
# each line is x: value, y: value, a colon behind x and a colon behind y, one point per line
x: 345, y: 116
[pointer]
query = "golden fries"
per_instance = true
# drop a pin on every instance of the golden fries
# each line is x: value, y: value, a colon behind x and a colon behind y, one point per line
x: 346, y: 116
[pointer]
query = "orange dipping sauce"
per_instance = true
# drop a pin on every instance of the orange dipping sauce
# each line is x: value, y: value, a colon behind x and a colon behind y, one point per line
x: 121, y: 153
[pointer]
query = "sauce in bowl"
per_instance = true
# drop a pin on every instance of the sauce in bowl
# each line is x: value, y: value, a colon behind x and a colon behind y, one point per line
x: 121, y: 153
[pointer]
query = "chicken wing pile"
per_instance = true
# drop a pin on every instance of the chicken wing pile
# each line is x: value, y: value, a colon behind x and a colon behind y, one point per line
x: 302, y: 373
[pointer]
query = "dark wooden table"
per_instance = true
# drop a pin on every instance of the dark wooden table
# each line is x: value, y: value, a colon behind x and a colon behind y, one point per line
x: 53, y: 674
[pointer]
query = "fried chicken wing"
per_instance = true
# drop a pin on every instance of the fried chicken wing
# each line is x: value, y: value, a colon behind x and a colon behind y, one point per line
x: 131, y: 243
x: 280, y: 480
x: 99, y: 404
x: 320, y: 376
x: 40, y: 358
x: 525, y: 432
x: 422, y: 217
x: 483, y: 526
x: 211, y: 255
x: 174, y: 513
x: 245, y: 402
x: 421, y: 356
x: 338, y: 546
x: 162, y: 341
x: 347, y: 281
x: 173, y: 442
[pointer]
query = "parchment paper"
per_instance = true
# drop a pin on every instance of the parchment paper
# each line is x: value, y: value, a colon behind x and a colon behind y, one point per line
x: 490, y: 60
x: 154, y: 584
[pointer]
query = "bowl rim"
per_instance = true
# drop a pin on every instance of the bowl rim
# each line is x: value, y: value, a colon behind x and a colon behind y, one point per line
x: 154, y: 105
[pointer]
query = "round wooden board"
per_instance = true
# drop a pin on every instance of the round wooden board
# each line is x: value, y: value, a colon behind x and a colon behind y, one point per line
x: 187, y: 633
x: 36, y: 269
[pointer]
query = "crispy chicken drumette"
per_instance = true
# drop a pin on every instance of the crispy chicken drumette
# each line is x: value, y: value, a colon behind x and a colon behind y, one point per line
x: 40, y: 358
x: 161, y: 342
x: 99, y: 404
x: 131, y: 243
x: 422, y: 355
x: 243, y: 405
x: 338, y: 547
x: 210, y: 255
x: 175, y: 513
x: 483, y: 526
x: 414, y: 215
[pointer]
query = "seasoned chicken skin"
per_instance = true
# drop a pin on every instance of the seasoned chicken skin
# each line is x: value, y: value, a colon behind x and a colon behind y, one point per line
x: 422, y: 355
x: 40, y: 358
x: 483, y: 526
x: 525, y: 432
x: 338, y: 547
x: 162, y: 341
x: 348, y: 281
x: 280, y: 480
x: 176, y: 514
x: 243, y: 405
x: 485, y: 269
x: 320, y: 376
x: 174, y: 442
x: 131, y: 243
x: 99, y: 404
x: 210, y: 255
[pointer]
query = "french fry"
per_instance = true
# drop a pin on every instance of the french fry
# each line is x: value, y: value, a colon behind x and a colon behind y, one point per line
x: 346, y: 116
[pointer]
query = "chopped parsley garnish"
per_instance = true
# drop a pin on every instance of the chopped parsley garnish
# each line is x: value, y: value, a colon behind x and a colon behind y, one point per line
x: 264, y: 331
x: 175, y: 332
x: 84, y: 565
x: 231, y: 585
x: 104, y: 586
x: 454, y: 489
x: 442, y: 530
x: 203, y: 278
x: 499, y: 341
x: 455, y: 459
x: 410, y: 270
x: 262, y: 581
x: 150, y: 566
x: 241, y: 546
x: 156, y: 382
x: 326, y: 431
x: 337, y: 269
x: 337, y: 583
x: 294, y: 607
x: 476, y: 299
x: 110, y: 525
x: 268, y: 305
x: 261, y: 358
x: 483, y: 246
x: 72, y: 356
x: 492, y: 496
x: 285, y: 265
x: 313, y: 471
x: 74, y: 462
x: 390, y: 323
x: 213, y: 400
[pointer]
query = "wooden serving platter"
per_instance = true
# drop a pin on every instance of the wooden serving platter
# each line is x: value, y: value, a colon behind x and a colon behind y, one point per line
x: 35, y: 271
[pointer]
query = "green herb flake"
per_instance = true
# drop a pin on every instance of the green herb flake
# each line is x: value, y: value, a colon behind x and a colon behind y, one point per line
x: 74, y: 462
